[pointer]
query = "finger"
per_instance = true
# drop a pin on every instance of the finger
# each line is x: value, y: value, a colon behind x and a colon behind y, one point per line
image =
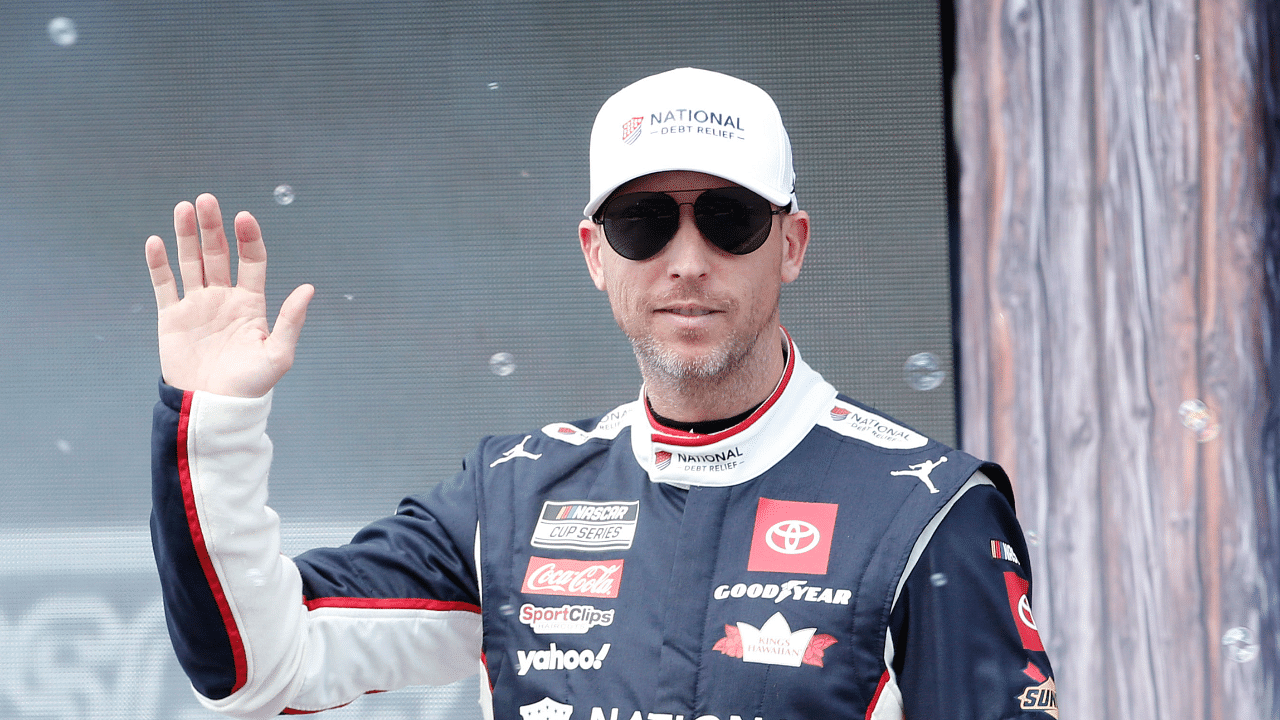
x: 190, y: 261
x: 293, y: 313
x: 213, y: 242
x: 162, y: 282
x: 251, y: 273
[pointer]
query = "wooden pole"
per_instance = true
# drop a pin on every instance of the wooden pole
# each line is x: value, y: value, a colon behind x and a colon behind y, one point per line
x: 1111, y: 337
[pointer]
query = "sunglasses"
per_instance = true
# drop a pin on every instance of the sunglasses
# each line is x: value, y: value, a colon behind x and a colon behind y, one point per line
x: 639, y: 224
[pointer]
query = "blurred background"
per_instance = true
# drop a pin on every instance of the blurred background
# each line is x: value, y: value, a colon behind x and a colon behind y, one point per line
x: 425, y: 166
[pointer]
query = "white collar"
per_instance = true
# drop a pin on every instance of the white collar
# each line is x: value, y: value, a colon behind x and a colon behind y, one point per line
x: 739, y: 453
x: 801, y: 400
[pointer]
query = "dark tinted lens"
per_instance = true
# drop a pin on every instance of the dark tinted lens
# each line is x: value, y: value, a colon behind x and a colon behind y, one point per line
x: 638, y: 225
x: 735, y: 219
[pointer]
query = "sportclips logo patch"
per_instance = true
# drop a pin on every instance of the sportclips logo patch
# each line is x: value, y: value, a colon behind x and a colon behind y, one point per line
x: 792, y: 537
x: 564, y: 620
x: 575, y: 578
x: 586, y: 525
x: 685, y: 121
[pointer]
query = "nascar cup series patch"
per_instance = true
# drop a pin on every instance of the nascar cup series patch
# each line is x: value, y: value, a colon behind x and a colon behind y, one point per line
x: 578, y: 525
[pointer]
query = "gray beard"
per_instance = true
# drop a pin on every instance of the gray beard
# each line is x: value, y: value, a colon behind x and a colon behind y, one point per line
x: 660, y: 363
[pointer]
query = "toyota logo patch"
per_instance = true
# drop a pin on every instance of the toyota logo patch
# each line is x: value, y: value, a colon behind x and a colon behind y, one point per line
x: 793, y: 537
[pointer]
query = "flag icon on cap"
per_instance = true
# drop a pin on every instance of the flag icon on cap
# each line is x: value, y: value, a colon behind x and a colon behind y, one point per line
x: 631, y: 129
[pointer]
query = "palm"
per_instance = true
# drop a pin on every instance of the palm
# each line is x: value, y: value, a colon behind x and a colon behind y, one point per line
x: 215, y: 338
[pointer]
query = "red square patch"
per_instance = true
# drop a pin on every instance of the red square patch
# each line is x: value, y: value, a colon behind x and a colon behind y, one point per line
x: 792, y: 537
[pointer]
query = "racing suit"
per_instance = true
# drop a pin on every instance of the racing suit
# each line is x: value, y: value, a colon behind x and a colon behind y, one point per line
x: 816, y: 560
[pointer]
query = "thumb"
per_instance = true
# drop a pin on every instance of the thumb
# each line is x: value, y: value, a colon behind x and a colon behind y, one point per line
x: 293, y: 313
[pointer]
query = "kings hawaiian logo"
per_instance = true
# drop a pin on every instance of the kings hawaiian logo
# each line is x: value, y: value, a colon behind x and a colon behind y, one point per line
x: 574, y: 578
x: 792, y: 537
x: 774, y: 643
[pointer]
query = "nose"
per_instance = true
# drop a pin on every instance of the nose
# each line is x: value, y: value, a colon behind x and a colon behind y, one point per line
x: 688, y: 255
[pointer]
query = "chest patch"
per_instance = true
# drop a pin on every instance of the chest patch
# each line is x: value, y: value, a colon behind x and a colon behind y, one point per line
x: 578, y: 525
x: 792, y: 537
x: 774, y: 643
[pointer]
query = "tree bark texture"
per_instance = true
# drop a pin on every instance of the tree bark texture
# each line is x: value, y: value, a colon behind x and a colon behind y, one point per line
x: 1112, y: 330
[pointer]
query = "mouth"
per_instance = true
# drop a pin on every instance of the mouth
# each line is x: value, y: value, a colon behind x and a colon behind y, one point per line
x: 688, y: 310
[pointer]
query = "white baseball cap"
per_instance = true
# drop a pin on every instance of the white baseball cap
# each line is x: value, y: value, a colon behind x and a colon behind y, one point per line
x: 691, y: 119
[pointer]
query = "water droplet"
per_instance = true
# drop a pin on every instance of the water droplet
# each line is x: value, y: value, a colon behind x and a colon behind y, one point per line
x: 62, y: 31
x: 922, y: 372
x: 1197, y: 57
x: 1197, y: 418
x: 1033, y: 537
x: 283, y: 194
x: 64, y: 447
x: 255, y: 577
x: 1239, y: 644
x: 493, y: 86
x: 938, y: 579
x: 507, y: 609
x: 524, y: 173
x: 1192, y: 411
x: 349, y: 297
x: 502, y: 364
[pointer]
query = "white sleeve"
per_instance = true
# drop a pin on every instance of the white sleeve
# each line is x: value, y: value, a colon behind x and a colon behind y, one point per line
x: 289, y: 655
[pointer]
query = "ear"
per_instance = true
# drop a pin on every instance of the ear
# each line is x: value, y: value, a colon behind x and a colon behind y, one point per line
x: 795, y: 240
x: 591, y: 236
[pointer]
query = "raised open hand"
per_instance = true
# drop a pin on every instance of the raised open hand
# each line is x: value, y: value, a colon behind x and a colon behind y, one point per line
x: 215, y: 338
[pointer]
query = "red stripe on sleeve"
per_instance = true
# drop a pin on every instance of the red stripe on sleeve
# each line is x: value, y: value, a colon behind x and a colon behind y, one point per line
x: 202, y: 551
x: 391, y: 604
x: 292, y: 711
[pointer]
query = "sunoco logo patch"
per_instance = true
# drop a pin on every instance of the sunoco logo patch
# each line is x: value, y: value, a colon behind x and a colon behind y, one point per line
x: 586, y: 525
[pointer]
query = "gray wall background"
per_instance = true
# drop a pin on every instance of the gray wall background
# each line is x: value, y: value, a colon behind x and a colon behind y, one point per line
x: 437, y: 156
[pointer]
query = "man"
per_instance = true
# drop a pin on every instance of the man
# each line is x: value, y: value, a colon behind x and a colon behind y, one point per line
x: 738, y: 542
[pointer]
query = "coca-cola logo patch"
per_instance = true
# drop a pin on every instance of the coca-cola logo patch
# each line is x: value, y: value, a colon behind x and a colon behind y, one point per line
x: 792, y: 537
x: 574, y: 578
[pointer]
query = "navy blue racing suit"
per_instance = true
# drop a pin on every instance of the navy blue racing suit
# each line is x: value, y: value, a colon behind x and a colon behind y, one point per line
x: 816, y: 560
